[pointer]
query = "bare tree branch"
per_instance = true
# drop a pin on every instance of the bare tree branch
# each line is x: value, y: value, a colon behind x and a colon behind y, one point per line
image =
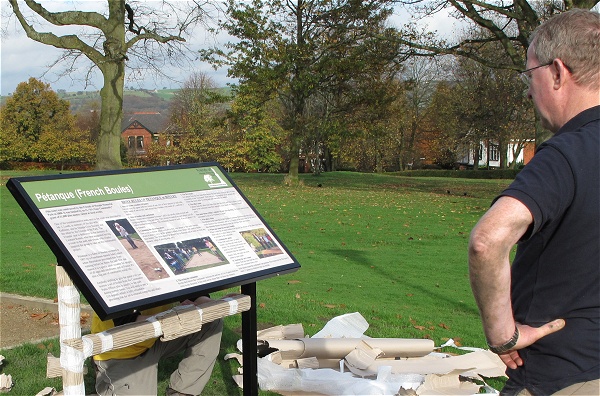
x: 66, y: 18
x: 507, y: 22
x: 66, y: 42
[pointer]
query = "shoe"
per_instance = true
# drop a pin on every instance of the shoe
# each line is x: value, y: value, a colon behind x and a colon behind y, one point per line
x: 173, y: 392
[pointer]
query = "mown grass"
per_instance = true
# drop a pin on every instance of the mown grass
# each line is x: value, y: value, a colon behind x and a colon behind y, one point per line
x: 392, y: 248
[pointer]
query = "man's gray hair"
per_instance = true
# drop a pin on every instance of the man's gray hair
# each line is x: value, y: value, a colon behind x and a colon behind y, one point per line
x: 573, y: 37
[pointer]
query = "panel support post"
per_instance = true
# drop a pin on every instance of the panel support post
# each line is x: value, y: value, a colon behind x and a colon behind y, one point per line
x: 69, y: 315
x: 249, y: 346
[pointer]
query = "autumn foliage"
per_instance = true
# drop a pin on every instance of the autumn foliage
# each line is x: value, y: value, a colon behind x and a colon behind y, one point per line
x: 37, y: 125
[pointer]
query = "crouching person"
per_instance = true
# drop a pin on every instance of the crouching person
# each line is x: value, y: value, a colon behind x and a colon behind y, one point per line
x: 133, y: 370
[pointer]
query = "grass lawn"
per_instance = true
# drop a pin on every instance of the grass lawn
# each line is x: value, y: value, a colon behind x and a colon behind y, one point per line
x: 392, y: 248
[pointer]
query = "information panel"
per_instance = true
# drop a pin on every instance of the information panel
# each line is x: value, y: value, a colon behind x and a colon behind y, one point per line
x: 138, y: 238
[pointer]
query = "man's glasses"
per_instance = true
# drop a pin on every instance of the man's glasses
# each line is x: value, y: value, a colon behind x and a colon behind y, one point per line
x: 526, y: 74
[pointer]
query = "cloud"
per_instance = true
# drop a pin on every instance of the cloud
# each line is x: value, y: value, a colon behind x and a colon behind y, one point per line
x: 22, y: 58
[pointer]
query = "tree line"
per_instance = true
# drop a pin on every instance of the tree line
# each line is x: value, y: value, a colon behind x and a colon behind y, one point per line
x: 418, y: 120
x: 329, y: 83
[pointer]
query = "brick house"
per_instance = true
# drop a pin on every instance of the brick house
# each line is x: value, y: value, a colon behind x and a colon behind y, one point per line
x: 142, y: 129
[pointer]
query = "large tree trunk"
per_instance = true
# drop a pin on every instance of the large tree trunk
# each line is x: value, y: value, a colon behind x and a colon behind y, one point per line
x: 108, y: 154
x: 109, y: 142
x: 292, y: 176
x: 378, y: 161
x: 476, y: 155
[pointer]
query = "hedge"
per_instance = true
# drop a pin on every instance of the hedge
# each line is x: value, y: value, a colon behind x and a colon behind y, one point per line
x: 465, y: 174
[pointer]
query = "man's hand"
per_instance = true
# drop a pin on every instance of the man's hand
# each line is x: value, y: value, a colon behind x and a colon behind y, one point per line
x: 527, y: 336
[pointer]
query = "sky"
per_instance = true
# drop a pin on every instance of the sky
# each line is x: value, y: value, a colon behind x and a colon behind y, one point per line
x: 22, y: 58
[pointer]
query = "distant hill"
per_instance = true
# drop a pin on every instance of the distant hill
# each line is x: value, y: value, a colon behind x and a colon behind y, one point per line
x: 133, y: 100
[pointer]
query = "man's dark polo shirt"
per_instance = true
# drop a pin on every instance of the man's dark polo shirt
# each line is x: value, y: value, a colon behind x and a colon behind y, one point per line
x: 556, y: 271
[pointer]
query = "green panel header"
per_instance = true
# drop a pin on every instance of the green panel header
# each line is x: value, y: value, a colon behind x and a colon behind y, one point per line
x: 80, y: 190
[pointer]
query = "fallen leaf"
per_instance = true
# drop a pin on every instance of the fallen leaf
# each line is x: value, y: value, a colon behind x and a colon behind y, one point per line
x: 444, y: 326
x: 293, y: 282
x: 297, y: 295
x: 38, y: 316
x: 261, y: 305
x: 419, y: 327
x: 330, y: 306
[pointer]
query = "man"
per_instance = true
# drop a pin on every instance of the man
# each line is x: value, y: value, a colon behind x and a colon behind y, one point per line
x: 133, y: 370
x: 121, y: 230
x: 542, y: 316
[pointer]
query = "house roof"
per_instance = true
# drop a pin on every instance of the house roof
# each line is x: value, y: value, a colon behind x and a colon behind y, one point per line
x: 154, y: 122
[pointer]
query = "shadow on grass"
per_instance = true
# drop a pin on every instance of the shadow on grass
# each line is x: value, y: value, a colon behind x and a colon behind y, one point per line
x: 361, y: 258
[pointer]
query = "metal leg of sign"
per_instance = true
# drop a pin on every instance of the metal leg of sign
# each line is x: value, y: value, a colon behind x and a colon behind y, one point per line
x: 249, y: 346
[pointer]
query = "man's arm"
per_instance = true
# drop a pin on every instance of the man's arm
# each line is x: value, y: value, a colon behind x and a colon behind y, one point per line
x: 490, y: 244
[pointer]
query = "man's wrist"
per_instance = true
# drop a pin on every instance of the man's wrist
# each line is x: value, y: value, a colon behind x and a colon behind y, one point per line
x: 510, y: 344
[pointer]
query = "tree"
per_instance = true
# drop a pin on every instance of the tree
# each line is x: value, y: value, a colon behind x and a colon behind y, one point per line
x: 503, y: 26
x: 480, y: 105
x: 66, y: 146
x: 195, y: 107
x: 197, y: 112
x: 506, y: 25
x: 292, y: 50
x: 256, y: 125
x: 36, y: 125
x: 376, y: 121
x: 438, y: 143
x: 88, y: 119
x: 419, y: 76
x: 109, y: 42
x: 32, y: 109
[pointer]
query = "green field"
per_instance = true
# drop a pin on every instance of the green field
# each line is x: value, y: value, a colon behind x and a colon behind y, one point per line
x: 392, y: 248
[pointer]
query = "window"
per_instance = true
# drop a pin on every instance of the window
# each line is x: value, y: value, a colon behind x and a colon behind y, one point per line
x: 140, y: 142
x: 130, y: 142
x: 494, y: 152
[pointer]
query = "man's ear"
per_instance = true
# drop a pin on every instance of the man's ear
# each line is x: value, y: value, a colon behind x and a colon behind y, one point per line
x: 560, y: 73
